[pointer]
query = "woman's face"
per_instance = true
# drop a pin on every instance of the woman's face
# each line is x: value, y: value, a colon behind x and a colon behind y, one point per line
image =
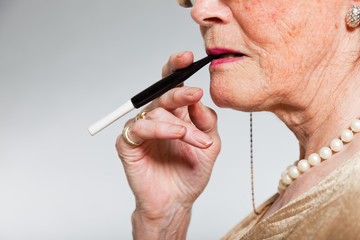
x: 285, y: 42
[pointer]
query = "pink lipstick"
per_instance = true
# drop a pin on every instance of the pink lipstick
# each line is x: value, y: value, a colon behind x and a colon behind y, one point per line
x: 228, y: 56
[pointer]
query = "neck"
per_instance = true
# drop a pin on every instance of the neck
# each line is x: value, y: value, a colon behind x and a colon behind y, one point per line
x: 328, y: 113
x: 325, y: 117
x: 322, y: 117
x: 324, y: 103
x: 327, y: 105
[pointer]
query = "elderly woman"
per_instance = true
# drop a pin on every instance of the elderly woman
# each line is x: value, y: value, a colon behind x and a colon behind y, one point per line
x: 296, y: 58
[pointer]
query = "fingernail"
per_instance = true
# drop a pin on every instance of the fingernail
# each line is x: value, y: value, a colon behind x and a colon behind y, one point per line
x: 203, y: 138
x: 179, y: 55
x: 192, y: 91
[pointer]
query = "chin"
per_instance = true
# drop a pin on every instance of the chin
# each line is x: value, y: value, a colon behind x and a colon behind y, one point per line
x: 224, y: 96
x: 222, y: 102
x: 219, y: 94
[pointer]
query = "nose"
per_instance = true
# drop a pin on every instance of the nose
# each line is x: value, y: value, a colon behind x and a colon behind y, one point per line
x: 210, y: 12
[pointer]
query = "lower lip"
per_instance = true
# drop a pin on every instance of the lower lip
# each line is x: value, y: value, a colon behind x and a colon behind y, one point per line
x: 220, y: 61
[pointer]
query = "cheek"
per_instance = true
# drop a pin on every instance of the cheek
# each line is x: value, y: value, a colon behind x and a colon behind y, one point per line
x: 258, y: 18
x: 267, y: 22
x: 290, y: 42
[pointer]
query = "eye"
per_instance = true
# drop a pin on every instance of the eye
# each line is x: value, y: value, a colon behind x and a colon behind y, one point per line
x: 186, y: 3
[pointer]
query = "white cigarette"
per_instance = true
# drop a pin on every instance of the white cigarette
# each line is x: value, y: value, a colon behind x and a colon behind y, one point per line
x: 152, y: 92
x: 110, y: 118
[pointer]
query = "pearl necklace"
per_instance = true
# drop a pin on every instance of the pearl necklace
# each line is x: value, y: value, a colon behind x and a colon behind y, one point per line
x: 294, y: 171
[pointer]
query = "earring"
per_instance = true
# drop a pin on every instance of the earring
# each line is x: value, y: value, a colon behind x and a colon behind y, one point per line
x: 353, y: 17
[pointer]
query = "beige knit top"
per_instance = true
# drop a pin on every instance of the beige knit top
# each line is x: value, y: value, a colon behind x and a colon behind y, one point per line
x: 329, y: 210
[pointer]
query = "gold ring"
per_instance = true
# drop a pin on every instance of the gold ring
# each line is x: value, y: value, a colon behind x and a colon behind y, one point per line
x: 125, y: 134
x: 141, y: 115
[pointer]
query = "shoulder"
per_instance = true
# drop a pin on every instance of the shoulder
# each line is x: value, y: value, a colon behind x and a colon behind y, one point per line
x: 330, y: 210
x: 336, y: 210
x: 251, y: 220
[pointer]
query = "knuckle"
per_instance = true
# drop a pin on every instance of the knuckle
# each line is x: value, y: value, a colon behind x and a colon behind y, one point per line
x: 164, y: 69
x: 128, y: 122
x: 157, y: 113
x: 137, y: 127
x: 163, y: 100
x: 158, y: 130
x: 120, y: 148
x: 213, y: 113
x: 178, y: 95
x: 172, y: 58
x: 117, y: 143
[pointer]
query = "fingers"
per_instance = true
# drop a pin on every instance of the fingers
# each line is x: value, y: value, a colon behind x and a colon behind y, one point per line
x: 147, y: 130
x: 204, y: 118
x: 193, y: 135
x: 177, y: 98
x: 161, y: 124
x: 177, y: 61
x: 184, y: 102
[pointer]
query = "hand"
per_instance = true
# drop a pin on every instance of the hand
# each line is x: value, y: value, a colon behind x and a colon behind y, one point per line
x: 172, y: 166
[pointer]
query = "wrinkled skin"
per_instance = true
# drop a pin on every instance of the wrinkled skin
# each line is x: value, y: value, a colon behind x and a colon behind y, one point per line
x: 300, y: 63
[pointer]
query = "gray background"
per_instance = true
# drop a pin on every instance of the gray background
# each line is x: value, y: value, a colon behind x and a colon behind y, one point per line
x: 65, y: 64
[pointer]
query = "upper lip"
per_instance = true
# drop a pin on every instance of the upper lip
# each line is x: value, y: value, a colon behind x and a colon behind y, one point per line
x: 218, y: 51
